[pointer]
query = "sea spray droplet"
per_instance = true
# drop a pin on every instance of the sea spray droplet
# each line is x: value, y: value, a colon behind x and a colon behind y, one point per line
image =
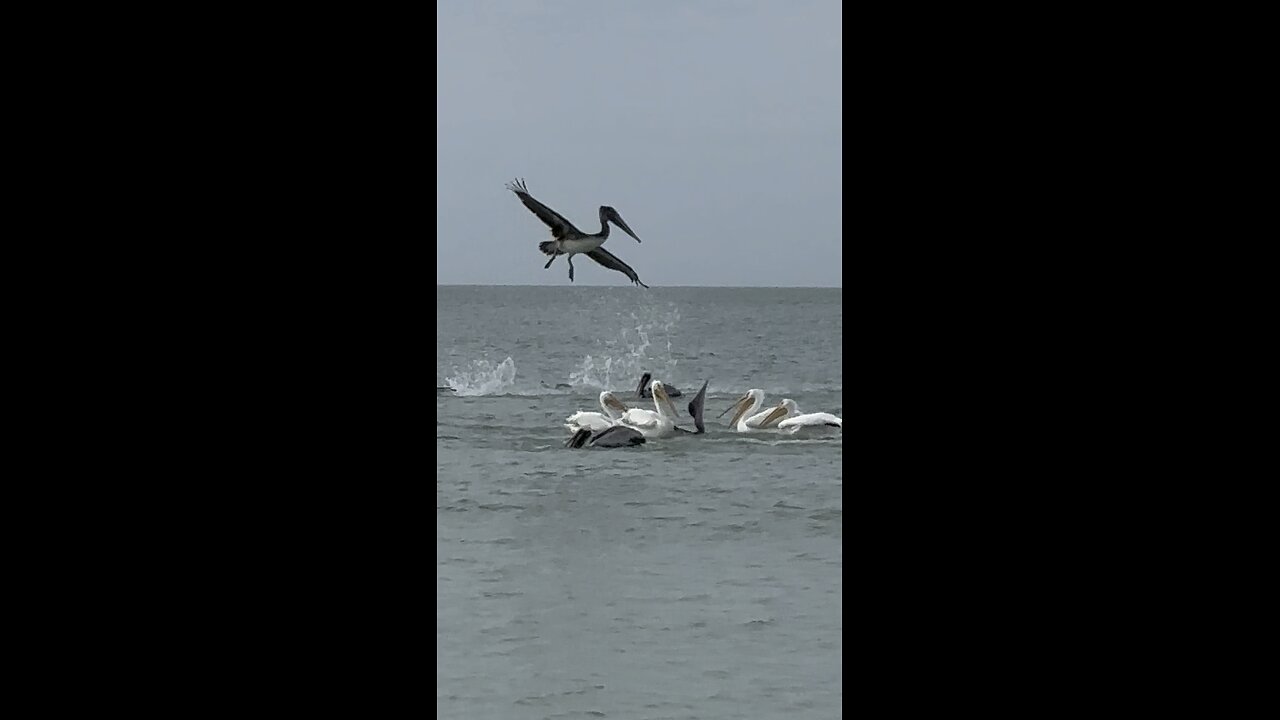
x: 484, y: 378
x: 620, y: 359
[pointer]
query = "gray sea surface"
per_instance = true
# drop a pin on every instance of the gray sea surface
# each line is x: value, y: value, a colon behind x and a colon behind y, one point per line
x: 697, y: 576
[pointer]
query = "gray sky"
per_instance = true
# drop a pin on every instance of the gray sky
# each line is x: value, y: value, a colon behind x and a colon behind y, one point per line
x: 712, y: 126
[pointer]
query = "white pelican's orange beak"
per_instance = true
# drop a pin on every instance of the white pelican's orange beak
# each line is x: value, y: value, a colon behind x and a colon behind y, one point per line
x: 614, y: 403
x: 776, y: 414
x: 740, y: 408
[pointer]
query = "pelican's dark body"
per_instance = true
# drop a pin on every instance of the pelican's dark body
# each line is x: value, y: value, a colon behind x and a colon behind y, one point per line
x: 571, y: 241
x: 616, y: 436
x: 643, y: 391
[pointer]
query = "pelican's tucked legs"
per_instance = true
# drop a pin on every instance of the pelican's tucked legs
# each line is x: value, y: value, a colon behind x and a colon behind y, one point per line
x: 568, y: 240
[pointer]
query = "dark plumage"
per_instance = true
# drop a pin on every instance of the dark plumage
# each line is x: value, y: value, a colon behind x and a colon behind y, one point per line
x: 569, y: 240
x: 695, y: 411
x: 643, y: 391
x: 616, y: 436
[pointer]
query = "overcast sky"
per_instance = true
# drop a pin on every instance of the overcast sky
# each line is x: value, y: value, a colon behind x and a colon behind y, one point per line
x: 712, y: 126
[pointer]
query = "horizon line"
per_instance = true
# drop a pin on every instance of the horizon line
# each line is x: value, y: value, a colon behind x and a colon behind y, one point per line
x: 654, y: 287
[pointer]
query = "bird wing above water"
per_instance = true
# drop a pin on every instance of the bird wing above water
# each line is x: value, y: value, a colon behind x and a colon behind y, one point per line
x: 611, y: 261
x: 554, y: 220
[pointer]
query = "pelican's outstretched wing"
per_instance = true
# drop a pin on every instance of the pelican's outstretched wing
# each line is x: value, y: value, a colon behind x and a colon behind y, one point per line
x: 611, y: 261
x: 554, y: 220
x: 695, y: 407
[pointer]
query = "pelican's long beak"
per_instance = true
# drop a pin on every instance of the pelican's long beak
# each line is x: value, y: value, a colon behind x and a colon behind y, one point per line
x: 617, y: 220
x: 739, y: 407
x: 615, y: 403
x: 777, y: 413
x: 735, y: 404
x: 644, y: 383
x: 661, y: 394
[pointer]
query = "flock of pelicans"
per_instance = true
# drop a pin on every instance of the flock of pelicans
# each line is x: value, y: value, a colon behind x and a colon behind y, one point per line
x: 621, y: 426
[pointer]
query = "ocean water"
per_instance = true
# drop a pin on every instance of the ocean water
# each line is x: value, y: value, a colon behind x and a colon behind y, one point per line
x: 690, y: 577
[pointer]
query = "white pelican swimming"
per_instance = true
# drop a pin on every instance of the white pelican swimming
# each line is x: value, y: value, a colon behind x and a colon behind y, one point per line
x: 594, y: 421
x: 653, y: 424
x: 747, y: 419
x: 796, y: 421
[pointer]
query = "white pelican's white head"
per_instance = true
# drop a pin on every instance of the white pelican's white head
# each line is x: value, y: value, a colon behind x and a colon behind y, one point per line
x: 745, y: 404
x: 662, y: 401
x: 612, y: 406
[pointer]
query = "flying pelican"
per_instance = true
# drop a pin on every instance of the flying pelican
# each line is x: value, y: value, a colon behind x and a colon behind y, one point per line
x: 756, y: 420
x: 571, y: 241
x: 613, y: 436
x: 642, y: 390
x: 594, y: 421
x: 653, y: 424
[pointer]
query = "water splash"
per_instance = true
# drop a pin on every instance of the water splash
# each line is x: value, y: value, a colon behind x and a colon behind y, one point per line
x: 484, y: 378
x: 621, y: 360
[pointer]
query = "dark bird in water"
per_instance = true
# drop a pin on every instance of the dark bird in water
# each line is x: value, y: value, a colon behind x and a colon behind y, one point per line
x: 569, y: 240
x: 643, y: 391
x: 615, y: 436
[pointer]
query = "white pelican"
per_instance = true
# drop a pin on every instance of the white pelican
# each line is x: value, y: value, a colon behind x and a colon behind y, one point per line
x: 653, y: 424
x: 594, y: 421
x: 796, y: 421
x: 571, y: 241
x: 747, y: 419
